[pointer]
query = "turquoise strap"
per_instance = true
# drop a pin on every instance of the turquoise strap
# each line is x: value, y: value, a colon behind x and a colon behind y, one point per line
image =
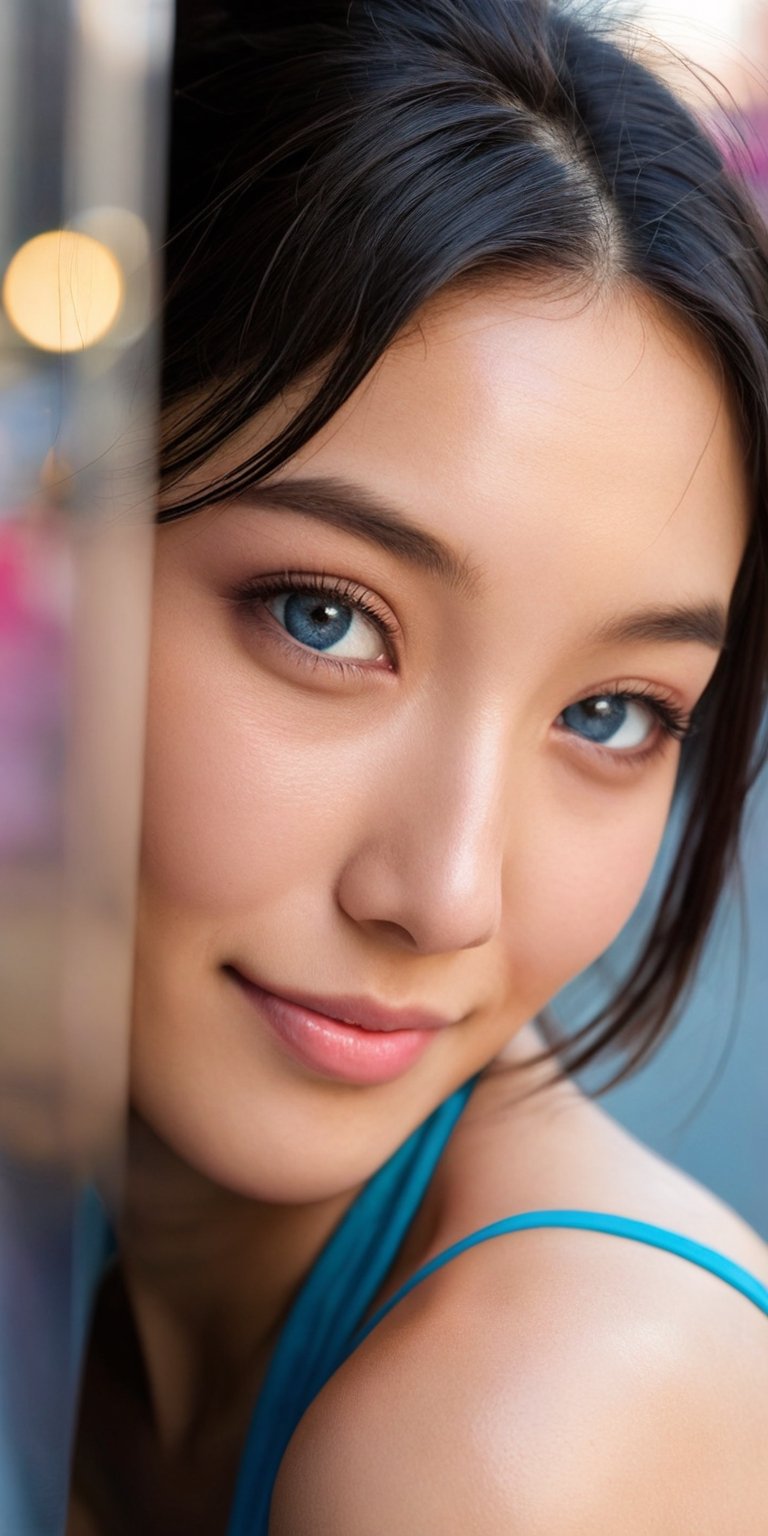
x: 338, y: 1292
x: 589, y: 1221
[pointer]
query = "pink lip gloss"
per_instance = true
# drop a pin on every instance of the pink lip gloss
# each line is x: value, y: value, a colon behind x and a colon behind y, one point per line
x: 334, y: 1048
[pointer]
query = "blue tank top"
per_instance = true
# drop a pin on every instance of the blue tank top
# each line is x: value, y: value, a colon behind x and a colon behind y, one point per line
x: 327, y: 1320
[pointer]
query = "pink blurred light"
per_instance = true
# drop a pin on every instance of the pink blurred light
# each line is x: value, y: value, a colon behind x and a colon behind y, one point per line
x: 33, y: 678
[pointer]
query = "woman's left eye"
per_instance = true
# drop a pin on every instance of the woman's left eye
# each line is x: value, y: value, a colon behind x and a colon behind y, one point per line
x: 624, y: 722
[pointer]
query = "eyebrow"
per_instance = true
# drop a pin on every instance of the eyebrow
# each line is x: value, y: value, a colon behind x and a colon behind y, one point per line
x: 700, y: 623
x: 356, y: 510
x: 360, y: 511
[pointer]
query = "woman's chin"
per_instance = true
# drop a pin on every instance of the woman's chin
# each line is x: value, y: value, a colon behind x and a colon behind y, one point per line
x: 273, y: 1145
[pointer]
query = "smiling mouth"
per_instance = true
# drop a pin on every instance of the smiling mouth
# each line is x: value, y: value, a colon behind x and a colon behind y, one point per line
x: 363, y: 1013
x: 360, y: 1041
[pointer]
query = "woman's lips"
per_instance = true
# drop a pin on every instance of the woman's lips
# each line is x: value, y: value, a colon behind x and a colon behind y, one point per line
x: 380, y: 1045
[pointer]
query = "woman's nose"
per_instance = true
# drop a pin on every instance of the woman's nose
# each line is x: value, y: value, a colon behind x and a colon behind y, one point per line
x: 426, y: 868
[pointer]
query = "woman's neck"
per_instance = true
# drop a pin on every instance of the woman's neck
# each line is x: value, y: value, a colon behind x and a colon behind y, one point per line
x: 209, y: 1277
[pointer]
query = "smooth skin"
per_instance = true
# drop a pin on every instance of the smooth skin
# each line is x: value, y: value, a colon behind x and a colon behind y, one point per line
x: 427, y: 830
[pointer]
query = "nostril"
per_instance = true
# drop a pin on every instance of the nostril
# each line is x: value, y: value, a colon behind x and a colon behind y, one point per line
x: 397, y: 933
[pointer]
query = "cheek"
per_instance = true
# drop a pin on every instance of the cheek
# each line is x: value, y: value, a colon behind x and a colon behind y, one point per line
x: 579, y: 881
x: 216, y: 798
x: 243, y: 801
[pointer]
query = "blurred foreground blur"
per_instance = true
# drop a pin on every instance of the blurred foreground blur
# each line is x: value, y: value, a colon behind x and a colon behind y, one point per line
x: 82, y: 125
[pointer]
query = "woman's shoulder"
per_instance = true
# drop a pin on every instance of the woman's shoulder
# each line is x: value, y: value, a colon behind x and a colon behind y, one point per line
x: 548, y: 1379
x: 558, y: 1149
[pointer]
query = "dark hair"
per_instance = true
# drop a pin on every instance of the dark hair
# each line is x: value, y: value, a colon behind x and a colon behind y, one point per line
x: 336, y: 163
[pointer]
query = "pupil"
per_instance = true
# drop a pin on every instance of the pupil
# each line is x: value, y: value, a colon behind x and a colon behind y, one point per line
x: 598, y: 718
x: 314, y: 622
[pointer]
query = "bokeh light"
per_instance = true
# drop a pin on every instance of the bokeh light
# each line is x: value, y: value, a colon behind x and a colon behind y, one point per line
x: 63, y: 291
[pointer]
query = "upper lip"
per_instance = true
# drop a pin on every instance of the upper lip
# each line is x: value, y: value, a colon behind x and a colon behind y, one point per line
x: 363, y: 1011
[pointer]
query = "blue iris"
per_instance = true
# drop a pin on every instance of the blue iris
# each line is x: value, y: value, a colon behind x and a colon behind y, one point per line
x: 316, y: 621
x: 598, y: 718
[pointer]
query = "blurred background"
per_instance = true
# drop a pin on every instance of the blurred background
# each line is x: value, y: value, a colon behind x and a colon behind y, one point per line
x: 703, y: 1100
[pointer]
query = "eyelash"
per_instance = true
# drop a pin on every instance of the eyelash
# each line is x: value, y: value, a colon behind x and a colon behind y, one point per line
x: 258, y: 590
x: 675, y: 723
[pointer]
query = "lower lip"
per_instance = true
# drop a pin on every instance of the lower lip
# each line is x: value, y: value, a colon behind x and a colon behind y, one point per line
x: 343, y: 1051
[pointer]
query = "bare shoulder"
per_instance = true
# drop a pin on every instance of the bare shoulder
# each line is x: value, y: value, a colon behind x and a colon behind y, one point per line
x: 549, y: 1380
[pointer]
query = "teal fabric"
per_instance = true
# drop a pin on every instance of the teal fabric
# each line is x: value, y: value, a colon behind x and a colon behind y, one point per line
x: 588, y: 1221
x: 329, y: 1309
x: 326, y: 1322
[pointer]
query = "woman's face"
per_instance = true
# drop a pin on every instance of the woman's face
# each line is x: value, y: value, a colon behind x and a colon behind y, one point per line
x: 371, y: 773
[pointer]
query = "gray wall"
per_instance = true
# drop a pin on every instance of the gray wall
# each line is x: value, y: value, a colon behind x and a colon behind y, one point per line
x: 702, y: 1102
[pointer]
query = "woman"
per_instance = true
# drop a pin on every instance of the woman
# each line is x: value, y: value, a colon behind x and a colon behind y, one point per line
x: 461, y: 576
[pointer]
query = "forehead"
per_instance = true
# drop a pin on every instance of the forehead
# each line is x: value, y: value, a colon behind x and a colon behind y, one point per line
x: 545, y: 432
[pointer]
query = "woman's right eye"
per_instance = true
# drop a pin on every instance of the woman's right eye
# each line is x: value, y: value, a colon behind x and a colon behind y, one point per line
x: 334, y: 621
x: 325, y: 624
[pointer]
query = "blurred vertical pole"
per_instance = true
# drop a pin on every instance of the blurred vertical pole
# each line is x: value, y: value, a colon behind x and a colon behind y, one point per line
x: 83, y: 115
